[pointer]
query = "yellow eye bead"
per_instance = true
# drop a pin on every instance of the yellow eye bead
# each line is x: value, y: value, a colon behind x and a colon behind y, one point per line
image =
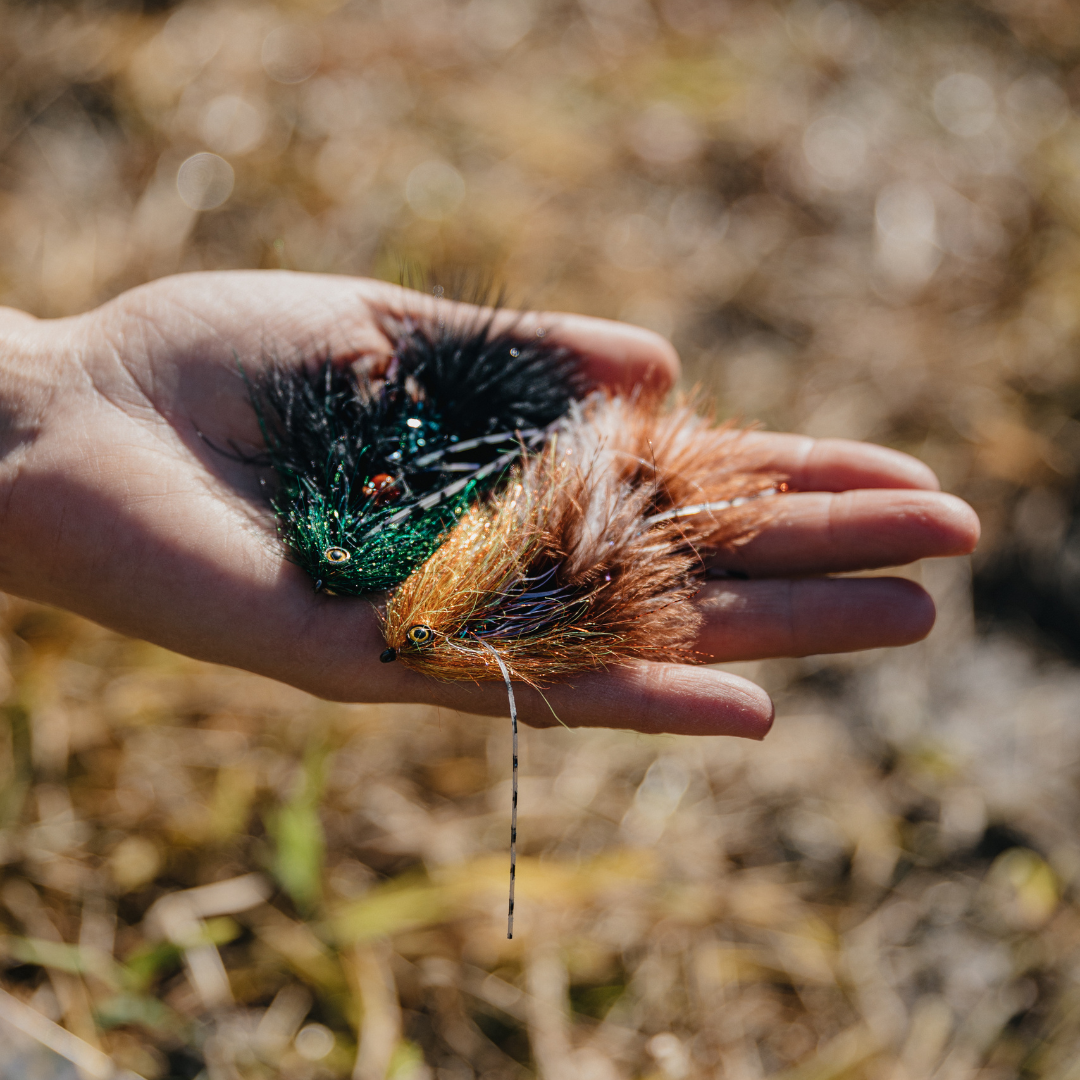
x: 336, y: 555
x: 420, y: 635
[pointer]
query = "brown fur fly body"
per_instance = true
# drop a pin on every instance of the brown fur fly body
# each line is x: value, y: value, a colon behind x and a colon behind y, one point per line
x: 592, y: 554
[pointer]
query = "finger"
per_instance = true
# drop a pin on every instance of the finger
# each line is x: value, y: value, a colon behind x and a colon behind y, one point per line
x: 752, y: 620
x: 639, y: 696
x: 838, y: 464
x: 819, y: 533
x: 16, y: 321
x: 614, y: 354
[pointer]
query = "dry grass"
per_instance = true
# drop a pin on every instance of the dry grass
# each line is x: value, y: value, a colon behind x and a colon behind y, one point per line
x: 854, y: 220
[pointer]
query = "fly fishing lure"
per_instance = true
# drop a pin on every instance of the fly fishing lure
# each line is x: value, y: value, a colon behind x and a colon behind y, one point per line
x: 375, y: 467
x: 590, y: 557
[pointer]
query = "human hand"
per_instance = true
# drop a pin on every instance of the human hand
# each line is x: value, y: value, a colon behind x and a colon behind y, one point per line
x: 113, y: 506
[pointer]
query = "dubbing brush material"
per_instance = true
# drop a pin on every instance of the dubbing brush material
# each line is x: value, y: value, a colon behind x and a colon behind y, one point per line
x: 374, y: 469
x: 590, y: 555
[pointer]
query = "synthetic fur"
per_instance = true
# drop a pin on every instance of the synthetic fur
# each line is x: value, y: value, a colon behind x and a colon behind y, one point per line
x: 380, y: 466
x: 567, y: 569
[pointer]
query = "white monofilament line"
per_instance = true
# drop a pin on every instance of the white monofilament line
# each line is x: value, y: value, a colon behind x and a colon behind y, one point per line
x: 513, y: 785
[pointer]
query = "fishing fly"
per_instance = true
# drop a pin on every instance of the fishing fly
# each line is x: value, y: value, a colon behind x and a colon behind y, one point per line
x: 589, y: 556
x: 374, y: 467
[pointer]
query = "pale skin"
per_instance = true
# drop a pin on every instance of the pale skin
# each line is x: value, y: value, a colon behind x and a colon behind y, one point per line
x: 114, y: 507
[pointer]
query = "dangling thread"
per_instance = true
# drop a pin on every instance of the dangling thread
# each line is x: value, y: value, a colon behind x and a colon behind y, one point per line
x: 513, y: 785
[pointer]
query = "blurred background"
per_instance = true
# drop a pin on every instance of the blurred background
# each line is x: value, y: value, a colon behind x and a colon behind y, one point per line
x: 853, y: 219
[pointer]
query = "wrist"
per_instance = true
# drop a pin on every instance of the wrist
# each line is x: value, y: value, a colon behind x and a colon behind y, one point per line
x: 25, y: 382
x: 27, y: 386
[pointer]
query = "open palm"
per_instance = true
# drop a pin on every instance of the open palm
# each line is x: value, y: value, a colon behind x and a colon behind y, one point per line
x: 114, y: 504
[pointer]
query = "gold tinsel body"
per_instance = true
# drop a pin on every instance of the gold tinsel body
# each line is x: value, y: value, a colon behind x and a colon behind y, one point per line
x: 569, y: 569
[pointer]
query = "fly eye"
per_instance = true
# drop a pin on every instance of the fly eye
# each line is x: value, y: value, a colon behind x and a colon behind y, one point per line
x: 378, y: 485
x: 336, y: 555
x: 420, y: 635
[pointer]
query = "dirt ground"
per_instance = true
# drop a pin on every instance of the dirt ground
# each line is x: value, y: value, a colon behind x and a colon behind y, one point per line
x: 852, y: 219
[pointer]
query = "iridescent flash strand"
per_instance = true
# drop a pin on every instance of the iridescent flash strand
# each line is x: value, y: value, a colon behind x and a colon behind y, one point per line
x: 513, y: 786
x: 442, y: 496
x: 703, y: 508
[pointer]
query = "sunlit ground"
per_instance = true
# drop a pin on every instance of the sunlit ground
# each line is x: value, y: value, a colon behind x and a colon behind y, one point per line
x: 855, y: 220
